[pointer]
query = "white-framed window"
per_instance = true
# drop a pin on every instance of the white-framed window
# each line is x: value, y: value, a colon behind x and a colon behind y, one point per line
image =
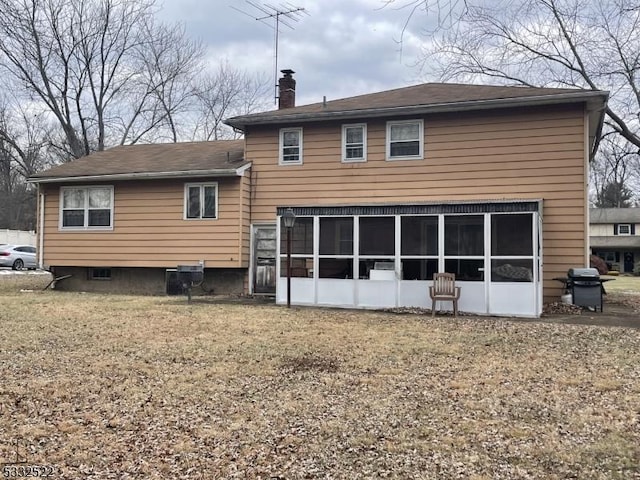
x: 354, y: 143
x: 624, y: 229
x: 405, y: 140
x: 290, y: 146
x: 86, y: 208
x: 201, y: 201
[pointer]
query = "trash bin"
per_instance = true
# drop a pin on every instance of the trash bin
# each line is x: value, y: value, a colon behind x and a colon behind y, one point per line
x: 585, y: 287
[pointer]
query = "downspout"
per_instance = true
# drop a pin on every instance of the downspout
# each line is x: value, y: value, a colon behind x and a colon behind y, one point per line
x: 41, y: 232
x: 588, y: 154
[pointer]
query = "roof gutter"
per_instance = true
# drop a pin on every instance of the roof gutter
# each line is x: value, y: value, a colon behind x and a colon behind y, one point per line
x: 219, y: 172
x: 278, y: 118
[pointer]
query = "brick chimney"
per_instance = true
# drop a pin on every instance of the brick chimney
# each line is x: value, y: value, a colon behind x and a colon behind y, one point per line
x: 287, y: 90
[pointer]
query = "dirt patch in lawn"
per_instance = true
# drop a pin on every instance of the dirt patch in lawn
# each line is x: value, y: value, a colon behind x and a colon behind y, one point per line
x: 620, y: 309
x: 143, y: 387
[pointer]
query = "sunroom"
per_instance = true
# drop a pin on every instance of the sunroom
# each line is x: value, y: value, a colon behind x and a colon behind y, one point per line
x: 385, y: 256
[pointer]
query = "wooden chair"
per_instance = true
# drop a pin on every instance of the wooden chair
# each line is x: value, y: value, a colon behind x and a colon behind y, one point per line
x: 444, y: 289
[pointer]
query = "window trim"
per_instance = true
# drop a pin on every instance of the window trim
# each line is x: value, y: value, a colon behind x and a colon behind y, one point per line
x: 86, y: 226
x: 186, y: 200
x: 628, y: 225
x: 420, y: 154
x: 344, y: 143
x: 281, y: 160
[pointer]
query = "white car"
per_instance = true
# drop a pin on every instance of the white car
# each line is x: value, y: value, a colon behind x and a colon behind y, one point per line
x: 18, y: 257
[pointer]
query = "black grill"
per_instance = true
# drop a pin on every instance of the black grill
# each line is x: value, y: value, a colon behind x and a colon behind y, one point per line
x: 190, y: 276
x: 585, y: 286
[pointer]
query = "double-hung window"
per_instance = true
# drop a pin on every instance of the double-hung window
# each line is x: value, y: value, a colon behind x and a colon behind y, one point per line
x: 86, y: 208
x: 201, y: 201
x: 290, y: 146
x: 405, y: 140
x: 354, y: 143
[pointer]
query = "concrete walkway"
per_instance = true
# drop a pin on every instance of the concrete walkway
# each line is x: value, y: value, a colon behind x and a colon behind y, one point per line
x: 614, y: 315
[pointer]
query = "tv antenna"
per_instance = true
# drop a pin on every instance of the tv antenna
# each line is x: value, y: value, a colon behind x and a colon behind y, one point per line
x: 284, y: 14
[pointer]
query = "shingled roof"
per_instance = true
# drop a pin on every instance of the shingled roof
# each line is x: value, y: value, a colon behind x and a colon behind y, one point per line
x: 160, y: 160
x: 423, y: 98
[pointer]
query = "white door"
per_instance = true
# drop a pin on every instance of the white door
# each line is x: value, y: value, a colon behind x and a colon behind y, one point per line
x: 264, y: 259
x: 513, y: 259
x: 464, y: 245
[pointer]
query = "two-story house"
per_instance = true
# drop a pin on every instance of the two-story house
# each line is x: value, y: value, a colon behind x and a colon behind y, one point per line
x: 614, y: 234
x: 485, y: 182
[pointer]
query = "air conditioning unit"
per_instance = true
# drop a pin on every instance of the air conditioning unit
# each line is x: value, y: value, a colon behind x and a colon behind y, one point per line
x: 173, y: 285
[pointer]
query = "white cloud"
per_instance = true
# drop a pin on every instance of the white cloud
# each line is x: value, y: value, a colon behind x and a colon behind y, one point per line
x: 338, y: 49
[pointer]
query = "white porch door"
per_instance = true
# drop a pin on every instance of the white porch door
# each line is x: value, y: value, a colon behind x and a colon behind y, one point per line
x: 514, y: 274
x: 496, y: 260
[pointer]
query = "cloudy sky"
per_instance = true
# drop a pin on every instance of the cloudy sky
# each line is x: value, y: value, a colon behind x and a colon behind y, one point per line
x: 339, y: 48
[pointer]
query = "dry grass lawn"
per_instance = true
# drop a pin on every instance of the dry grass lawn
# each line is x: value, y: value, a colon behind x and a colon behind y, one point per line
x: 624, y: 284
x: 149, y: 388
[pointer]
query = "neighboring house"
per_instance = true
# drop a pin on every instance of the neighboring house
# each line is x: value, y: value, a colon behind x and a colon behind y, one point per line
x: 486, y: 182
x: 614, y: 235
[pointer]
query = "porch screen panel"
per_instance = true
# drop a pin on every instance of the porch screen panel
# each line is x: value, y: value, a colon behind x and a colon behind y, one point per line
x: 464, y: 235
x: 512, y: 243
x: 336, y: 247
x: 511, y: 235
x: 377, y: 243
x: 301, y: 248
x: 464, y: 246
x: 377, y: 236
x: 419, y: 247
x: 301, y: 236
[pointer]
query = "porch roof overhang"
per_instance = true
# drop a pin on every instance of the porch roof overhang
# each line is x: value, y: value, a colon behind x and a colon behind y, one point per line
x: 216, y: 172
x: 423, y: 208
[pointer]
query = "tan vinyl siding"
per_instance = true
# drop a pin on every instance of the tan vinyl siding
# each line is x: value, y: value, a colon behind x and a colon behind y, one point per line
x: 521, y: 154
x: 150, y: 231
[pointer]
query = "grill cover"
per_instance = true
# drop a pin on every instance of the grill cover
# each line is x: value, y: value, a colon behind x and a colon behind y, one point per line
x: 585, y: 287
x: 583, y: 273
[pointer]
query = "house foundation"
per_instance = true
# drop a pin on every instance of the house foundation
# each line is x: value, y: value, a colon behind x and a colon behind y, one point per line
x: 145, y: 281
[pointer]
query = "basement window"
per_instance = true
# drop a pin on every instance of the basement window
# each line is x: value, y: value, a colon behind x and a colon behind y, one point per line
x: 100, y: 274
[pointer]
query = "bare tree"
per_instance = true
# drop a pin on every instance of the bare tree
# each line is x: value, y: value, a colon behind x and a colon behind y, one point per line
x: 615, y: 175
x: 164, y: 90
x: 590, y: 44
x: 225, y: 93
x: 24, y: 139
x: 103, y: 69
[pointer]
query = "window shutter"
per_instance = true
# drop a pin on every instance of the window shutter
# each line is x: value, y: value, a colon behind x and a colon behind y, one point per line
x: 615, y: 228
x: 633, y: 229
